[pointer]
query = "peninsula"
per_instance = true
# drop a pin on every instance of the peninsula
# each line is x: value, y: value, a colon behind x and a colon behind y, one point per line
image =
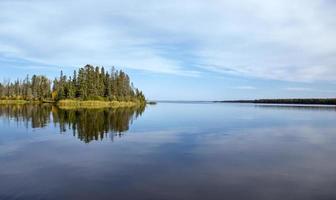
x: 90, y: 87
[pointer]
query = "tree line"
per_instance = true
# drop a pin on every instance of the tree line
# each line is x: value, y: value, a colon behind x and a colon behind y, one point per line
x: 36, y: 87
x: 321, y: 101
x: 89, y: 83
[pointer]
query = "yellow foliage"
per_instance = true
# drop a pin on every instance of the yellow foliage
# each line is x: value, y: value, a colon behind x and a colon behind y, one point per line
x: 54, y: 95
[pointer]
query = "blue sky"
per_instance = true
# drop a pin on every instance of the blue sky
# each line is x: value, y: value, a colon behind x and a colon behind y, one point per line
x: 186, y: 50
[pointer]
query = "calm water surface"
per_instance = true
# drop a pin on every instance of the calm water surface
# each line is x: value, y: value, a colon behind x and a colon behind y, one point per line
x: 168, y: 151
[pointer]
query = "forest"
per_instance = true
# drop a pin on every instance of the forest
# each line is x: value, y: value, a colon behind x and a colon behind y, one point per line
x: 89, y: 83
x: 317, y: 101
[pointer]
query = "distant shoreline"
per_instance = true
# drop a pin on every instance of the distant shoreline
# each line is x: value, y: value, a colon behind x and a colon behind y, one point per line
x: 313, y: 101
x: 298, y: 101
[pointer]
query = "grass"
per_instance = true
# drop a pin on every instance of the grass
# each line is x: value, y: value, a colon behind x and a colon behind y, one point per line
x: 13, y: 102
x: 75, y: 104
x: 21, y: 101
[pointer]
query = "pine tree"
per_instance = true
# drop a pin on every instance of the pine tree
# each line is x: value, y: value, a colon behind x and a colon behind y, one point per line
x: 89, y: 83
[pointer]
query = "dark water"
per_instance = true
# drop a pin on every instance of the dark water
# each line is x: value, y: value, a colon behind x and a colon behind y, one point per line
x: 168, y: 151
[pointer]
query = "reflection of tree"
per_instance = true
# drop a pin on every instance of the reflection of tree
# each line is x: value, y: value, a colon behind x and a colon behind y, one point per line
x: 86, y: 124
x: 38, y: 115
x: 95, y: 124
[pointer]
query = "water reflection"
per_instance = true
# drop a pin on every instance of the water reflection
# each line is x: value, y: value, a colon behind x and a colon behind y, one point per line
x: 37, y: 115
x: 176, y: 151
x: 97, y: 124
x: 297, y: 107
x: 86, y: 124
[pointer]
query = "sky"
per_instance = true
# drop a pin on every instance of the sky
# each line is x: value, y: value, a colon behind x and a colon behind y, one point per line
x: 179, y: 50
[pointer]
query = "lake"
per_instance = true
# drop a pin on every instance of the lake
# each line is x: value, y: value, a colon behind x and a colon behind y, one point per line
x: 168, y: 151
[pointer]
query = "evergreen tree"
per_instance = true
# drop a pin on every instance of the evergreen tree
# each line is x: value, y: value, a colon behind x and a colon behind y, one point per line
x: 89, y: 83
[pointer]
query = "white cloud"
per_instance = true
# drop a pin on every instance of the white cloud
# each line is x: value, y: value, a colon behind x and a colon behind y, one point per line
x: 245, y: 88
x: 285, y: 40
x: 306, y: 89
x: 298, y: 89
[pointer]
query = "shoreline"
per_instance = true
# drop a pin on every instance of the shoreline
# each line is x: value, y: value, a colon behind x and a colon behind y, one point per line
x: 77, y: 104
x: 312, y: 101
x: 18, y: 102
